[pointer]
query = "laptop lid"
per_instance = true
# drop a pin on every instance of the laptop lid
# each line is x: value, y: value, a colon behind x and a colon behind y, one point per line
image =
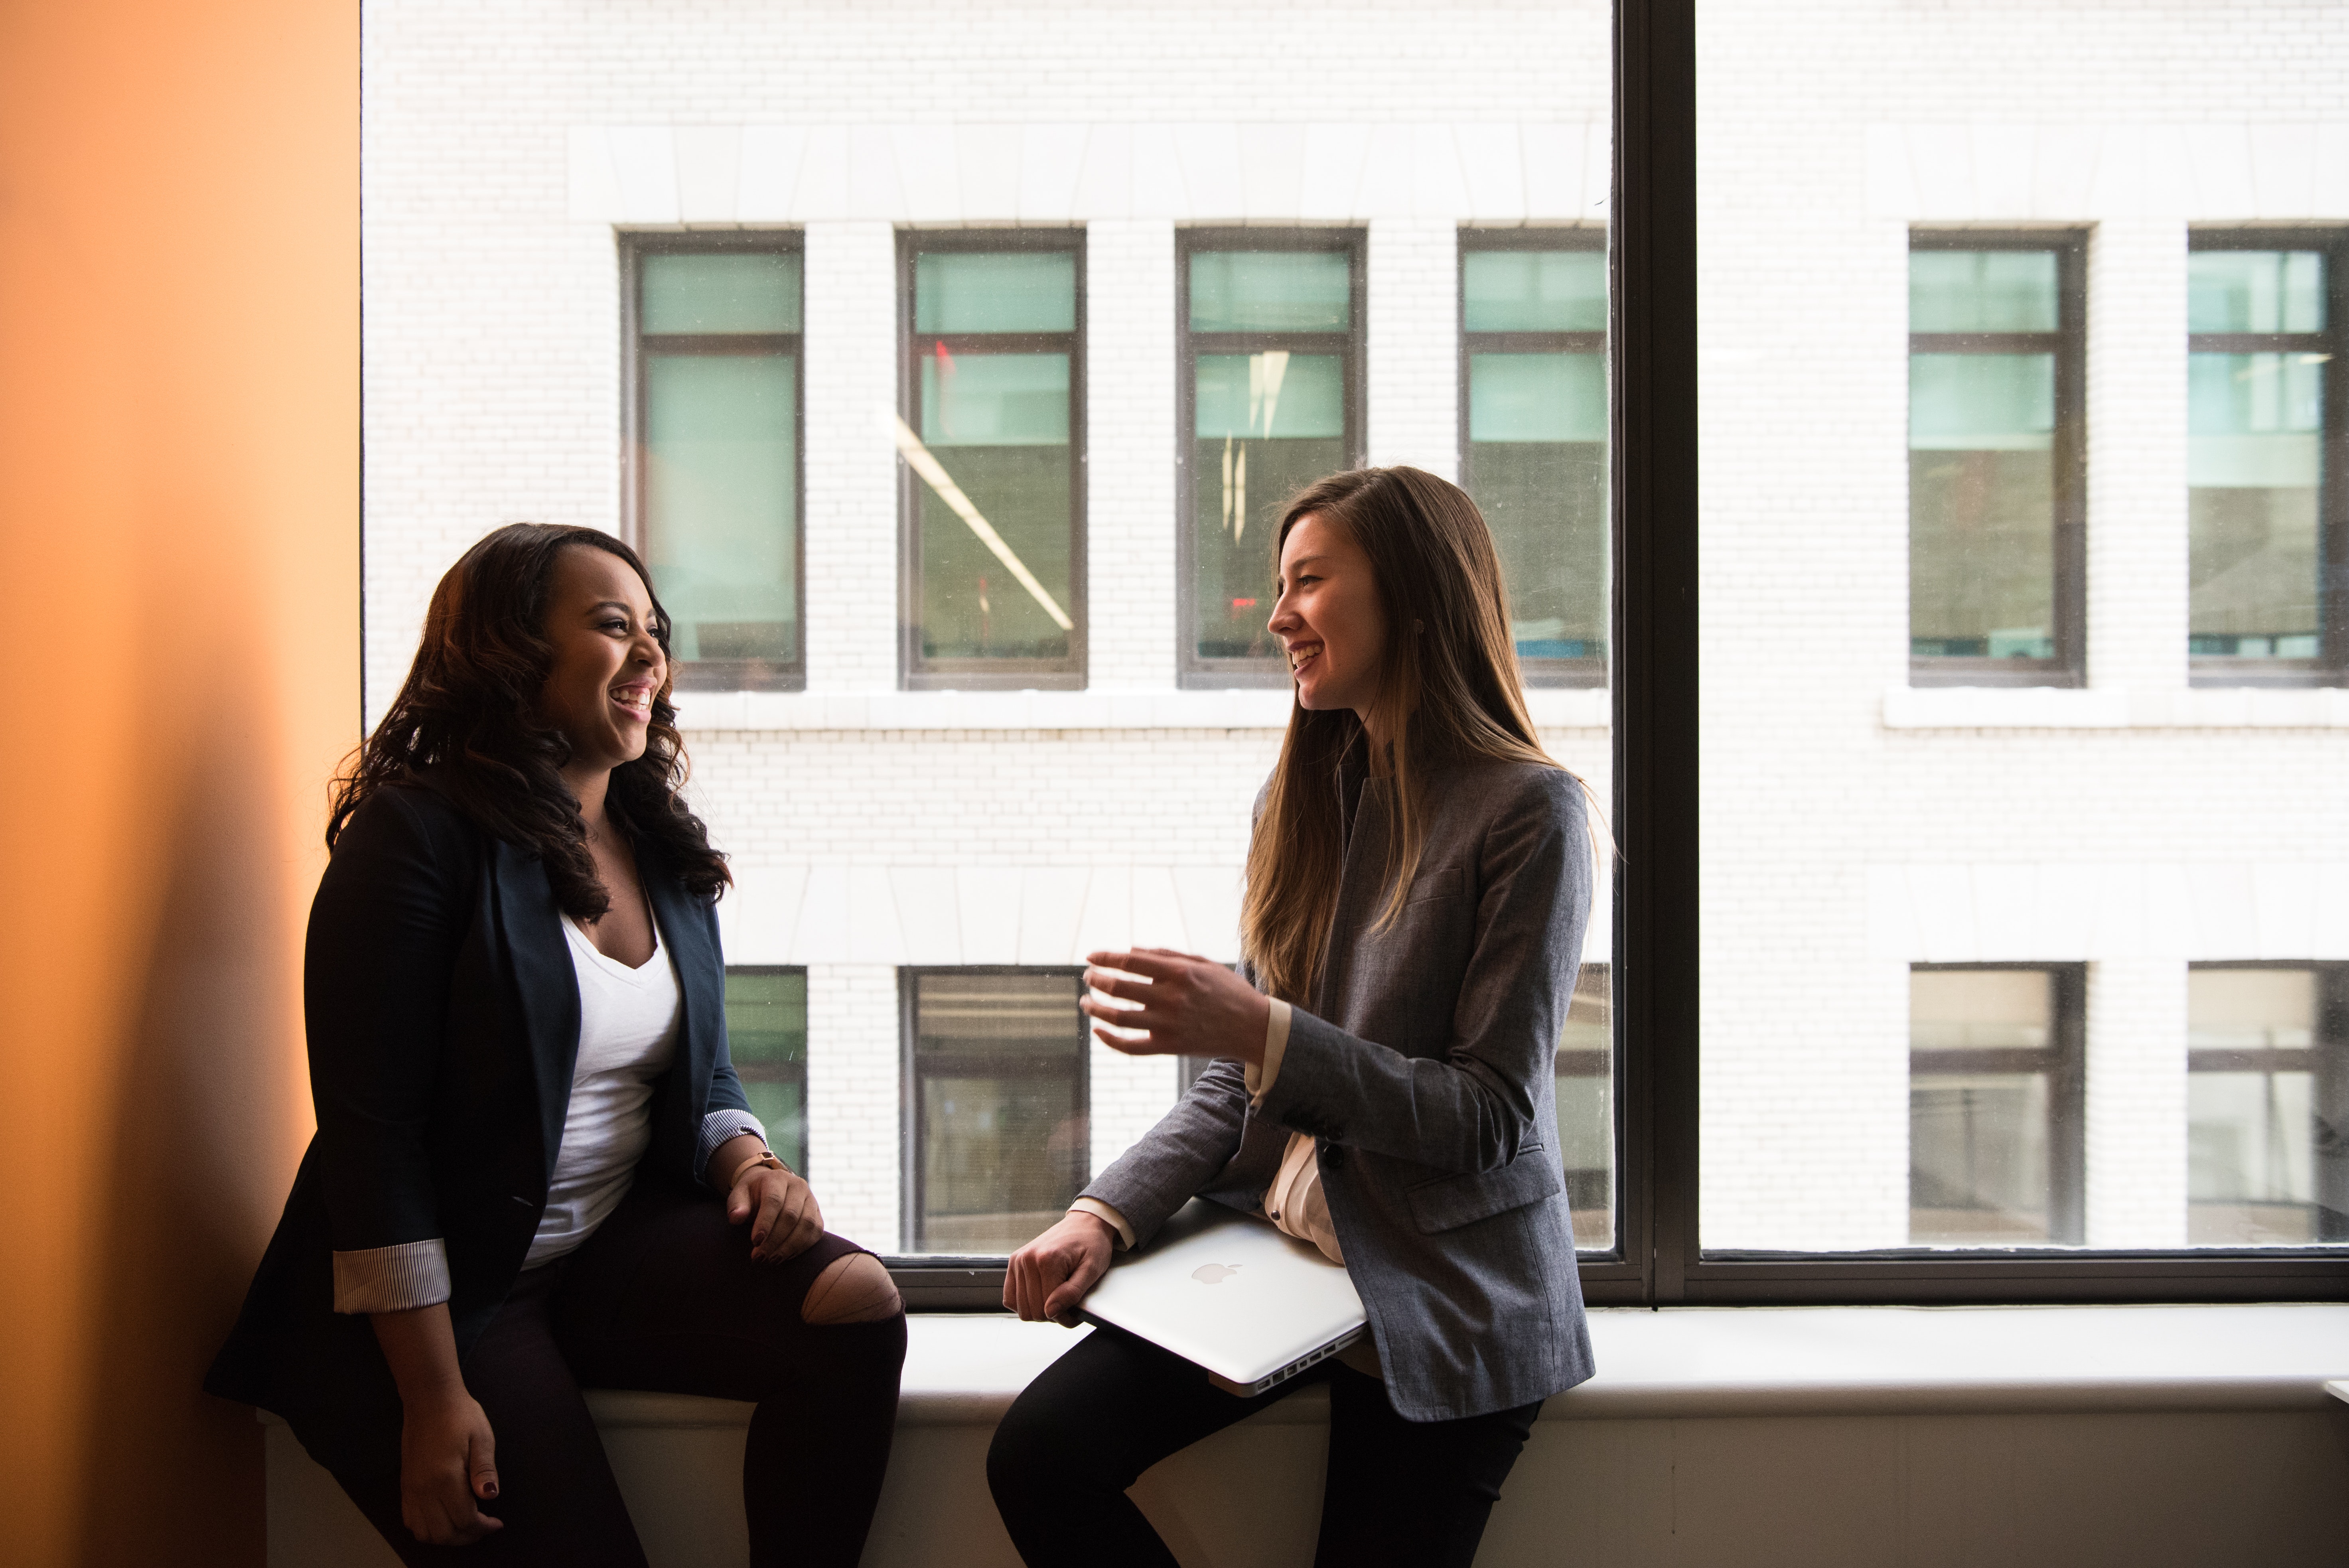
x: 1229, y: 1291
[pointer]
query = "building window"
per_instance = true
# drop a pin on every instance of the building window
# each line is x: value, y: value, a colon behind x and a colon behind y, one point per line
x: 1585, y: 1109
x: 1271, y: 354
x: 2267, y: 1105
x: 766, y: 1033
x: 1996, y: 484
x: 992, y: 432
x: 2267, y: 483
x: 1994, y: 1106
x: 714, y: 323
x: 1533, y: 437
x: 996, y: 1094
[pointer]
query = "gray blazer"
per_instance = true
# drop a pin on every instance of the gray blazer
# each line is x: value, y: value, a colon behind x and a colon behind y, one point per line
x: 1424, y: 1072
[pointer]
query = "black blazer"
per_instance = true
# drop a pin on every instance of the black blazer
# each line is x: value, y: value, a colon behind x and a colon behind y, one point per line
x: 442, y: 1013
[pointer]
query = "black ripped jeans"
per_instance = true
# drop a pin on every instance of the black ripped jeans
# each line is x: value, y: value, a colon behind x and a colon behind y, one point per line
x: 1415, y: 1494
x: 664, y: 1296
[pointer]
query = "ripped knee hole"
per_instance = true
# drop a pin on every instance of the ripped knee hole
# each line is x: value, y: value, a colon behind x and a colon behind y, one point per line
x: 854, y: 1289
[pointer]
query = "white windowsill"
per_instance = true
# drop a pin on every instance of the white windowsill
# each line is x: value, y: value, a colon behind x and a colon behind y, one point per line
x: 1552, y: 709
x: 2115, y: 707
x: 1696, y: 1362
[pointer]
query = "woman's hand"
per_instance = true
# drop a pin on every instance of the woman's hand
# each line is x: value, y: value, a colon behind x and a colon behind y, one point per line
x: 782, y: 1209
x: 1189, y: 1006
x: 1049, y: 1275
x: 448, y: 1459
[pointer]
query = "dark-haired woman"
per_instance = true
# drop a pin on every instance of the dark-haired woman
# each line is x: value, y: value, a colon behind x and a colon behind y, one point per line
x: 1417, y: 886
x: 535, y: 1161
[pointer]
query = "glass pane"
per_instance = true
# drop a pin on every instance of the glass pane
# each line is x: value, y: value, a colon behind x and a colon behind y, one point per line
x: 1980, y: 1160
x: 1271, y: 291
x: 766, y: 1034
x: 1265, y: 425
x: 1537, y: 467
x: 2253, y: 1122
x: 1533, y: 291
x: 999, y: 1061
x: 999, y: 425
x: 2254, y: 458
x: 722, y: 508
x: 1023, y: 290
x: 2255, y: 291
x: 1981, y: 504
x: 725, y: 292
x: 1586, y: 1107
x: 1983, y: 290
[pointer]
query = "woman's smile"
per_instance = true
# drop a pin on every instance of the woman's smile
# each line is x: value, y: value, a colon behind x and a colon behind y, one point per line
x: 1328, y: 618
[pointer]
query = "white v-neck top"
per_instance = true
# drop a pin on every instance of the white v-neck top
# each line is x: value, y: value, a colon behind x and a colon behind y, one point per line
x: 627, y: 1035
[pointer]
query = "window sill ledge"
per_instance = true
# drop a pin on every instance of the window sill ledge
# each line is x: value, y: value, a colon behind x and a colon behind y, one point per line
x: 2115, y: 708
x: 1701, y: 1361
x: 1552, y: 709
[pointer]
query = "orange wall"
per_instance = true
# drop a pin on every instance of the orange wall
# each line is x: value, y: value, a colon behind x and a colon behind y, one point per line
x: 178, y: 524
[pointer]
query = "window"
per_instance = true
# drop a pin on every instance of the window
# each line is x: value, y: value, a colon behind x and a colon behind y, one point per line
x: 992, y: 432
x: 1995, y: 1111
x: 1272, y: 363
x: 1586, y: 1110
x: 1533, y: 440
x: 715, y: 460
x: 2267, y: 1101
x: 996, y: 1097
x: 1995, y: 488
x: 766, y: 1033
x: 2267, y: 488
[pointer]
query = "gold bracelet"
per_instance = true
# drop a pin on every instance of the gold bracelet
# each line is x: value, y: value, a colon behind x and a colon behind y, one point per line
x: 765, y: 1158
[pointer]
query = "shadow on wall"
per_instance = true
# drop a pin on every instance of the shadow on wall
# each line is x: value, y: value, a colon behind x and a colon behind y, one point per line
x: 189, y: 1175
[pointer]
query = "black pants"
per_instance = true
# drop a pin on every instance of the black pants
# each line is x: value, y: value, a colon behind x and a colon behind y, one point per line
x: 1401, y: 1492
x: 664, y: 1296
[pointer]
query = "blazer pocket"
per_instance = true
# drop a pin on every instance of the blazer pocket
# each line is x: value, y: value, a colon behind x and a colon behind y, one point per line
x: 1449, y: 1202
x: 1432, y: 883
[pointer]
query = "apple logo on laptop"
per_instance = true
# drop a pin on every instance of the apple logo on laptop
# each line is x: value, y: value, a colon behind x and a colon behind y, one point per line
x: 1214, y: 1273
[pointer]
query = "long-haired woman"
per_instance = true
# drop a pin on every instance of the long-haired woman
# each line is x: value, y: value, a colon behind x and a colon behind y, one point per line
x: 1418, y: 883
x: 534, y: 1159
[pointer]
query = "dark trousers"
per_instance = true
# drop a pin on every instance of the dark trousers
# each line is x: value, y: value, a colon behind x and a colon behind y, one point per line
x: 664, y: 1296
x: 1404, y: 1492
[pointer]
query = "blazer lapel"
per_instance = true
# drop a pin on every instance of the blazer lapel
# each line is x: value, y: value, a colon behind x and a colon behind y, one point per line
x: 546, y: 986
x: 701, y: 983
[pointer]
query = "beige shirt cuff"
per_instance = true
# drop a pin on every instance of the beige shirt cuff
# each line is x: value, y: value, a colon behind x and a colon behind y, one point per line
x: 1108, y: 1216
x: 392, y: 1279
x: 1276, y: 1046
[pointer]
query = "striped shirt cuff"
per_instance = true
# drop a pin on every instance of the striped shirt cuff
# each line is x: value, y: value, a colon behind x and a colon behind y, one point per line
x: 717, y: 1127
x: 392, y: 1279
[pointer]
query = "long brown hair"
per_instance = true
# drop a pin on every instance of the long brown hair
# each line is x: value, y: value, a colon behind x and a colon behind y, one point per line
x: 1448, y: 690
x: 467, y: 722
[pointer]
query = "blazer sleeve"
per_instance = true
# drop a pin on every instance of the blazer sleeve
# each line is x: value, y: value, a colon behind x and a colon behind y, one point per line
x: 1473, y: 1107
x: 383, y: 940
x: 1181, y: 1156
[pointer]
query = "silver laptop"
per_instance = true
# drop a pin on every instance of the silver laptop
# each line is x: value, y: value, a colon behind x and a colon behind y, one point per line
x: 1227, y: 1291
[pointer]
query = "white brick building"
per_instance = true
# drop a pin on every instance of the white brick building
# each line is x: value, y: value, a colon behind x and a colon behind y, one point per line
x: 1856, y: 824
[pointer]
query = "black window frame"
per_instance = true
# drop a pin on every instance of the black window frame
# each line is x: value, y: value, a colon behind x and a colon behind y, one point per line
x: 2326, y: 1057
x: 2331, y: 666
x: 1658, y: 957
x: 916, y: 672
x: 2064, y: 1059
x: 1194, y: 673
x: 942, y: 1267
x: 755, y: 1072
x: 2069, y: 345
x: 1583, y: 673
x: 715, y: 674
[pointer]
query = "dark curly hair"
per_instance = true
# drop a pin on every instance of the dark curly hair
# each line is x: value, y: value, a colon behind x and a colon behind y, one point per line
x: 466, y: 723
